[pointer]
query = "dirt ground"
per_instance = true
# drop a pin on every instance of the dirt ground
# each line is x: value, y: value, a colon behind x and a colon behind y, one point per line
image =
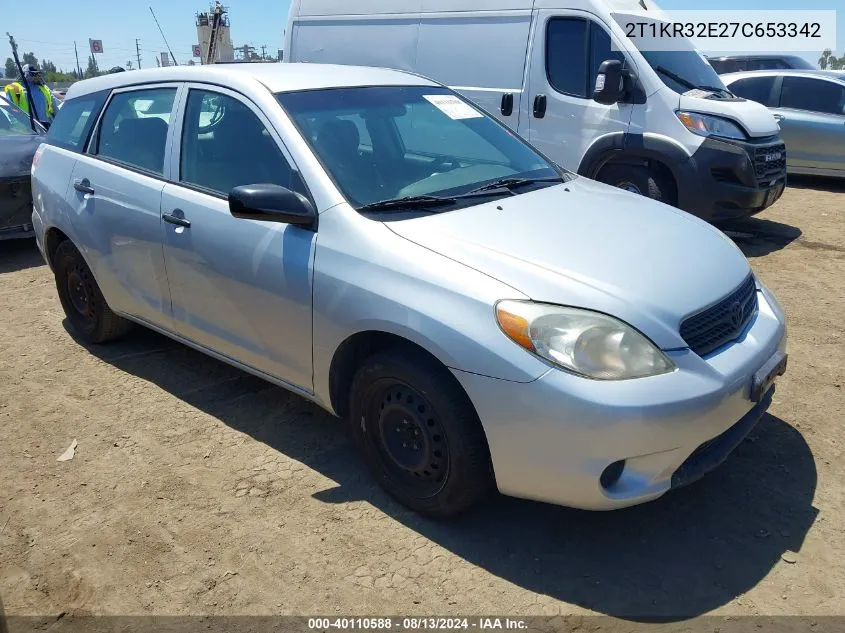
x: 197, y: 489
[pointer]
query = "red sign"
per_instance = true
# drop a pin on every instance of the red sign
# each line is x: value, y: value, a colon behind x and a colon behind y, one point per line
x: 96, y: 46
x: 196, y: 50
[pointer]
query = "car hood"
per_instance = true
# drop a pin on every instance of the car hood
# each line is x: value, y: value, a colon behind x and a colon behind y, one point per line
x: 588, y: 245
x: 16, y: 154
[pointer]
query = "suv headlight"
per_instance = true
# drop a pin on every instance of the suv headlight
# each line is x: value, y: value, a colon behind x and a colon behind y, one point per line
x: 586, y: 343
x: 709, y: 125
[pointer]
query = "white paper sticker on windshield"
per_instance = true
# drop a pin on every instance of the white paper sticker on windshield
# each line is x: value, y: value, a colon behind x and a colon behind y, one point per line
x: 453, y: 107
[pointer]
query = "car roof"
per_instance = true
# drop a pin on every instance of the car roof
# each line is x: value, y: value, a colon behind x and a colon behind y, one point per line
x: 835, y: 75
x: 276, y: 77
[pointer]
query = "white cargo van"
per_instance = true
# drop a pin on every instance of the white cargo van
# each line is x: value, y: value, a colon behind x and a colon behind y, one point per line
x: 663, y: 124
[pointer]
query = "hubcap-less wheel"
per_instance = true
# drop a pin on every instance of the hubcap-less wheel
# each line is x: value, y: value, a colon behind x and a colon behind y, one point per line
x: 79, y: 293
x: 409, y: 439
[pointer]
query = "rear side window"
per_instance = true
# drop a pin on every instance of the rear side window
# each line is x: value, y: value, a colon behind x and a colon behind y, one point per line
x: 757, y: 89
x: 74, y: 121
x: 134, y: 128
x: 815, y: 95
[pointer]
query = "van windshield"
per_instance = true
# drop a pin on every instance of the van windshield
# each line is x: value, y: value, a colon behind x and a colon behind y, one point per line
x: 682, y: 68
x: 396, y: 146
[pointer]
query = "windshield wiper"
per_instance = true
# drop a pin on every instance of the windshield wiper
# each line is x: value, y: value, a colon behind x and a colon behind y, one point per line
x: 506, y: 183
x: 686, y: 83
x: 410, y: 202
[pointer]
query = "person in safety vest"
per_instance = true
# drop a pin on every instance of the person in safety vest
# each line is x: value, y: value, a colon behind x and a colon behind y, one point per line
x: 44, y: 107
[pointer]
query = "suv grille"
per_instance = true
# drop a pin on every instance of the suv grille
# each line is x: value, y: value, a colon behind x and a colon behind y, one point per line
x: 723, y: 322
x: 766, y: 169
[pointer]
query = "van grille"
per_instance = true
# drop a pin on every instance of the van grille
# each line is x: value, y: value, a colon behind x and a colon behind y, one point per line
x: 766, y: 169
x: 723, y: 322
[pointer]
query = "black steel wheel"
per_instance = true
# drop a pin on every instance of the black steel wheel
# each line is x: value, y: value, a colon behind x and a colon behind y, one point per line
x: 645, y: 181
x: 419, y: 433
x: 81, y: 298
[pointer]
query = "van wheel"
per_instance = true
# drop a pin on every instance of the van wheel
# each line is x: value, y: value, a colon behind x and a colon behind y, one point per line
x: 419, y: 433
x: 82, y: 301
x: 642, y: 180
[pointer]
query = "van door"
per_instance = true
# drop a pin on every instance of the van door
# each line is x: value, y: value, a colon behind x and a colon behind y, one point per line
x: 559, y: 116
x: 491, y: 48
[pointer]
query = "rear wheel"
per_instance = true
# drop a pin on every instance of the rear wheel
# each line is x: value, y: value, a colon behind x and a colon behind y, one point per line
x: 419, y: 433
x: 82, y: 300
x: 645, y: 181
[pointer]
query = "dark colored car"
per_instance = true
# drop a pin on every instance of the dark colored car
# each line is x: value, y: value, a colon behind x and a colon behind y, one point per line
x: 17, y: 146
x: 739, y: 63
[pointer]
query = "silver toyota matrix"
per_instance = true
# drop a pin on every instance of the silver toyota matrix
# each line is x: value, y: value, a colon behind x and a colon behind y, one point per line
x: 375, y: 243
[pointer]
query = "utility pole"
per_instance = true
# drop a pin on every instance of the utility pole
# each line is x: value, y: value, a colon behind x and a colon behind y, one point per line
x: 78, y: 67
x: 138, y: 52
x: 263, y: 52
x: 129, y: 65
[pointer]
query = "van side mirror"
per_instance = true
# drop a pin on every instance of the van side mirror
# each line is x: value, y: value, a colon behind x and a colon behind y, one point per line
x: 271, y: 203
x: 610, y: 85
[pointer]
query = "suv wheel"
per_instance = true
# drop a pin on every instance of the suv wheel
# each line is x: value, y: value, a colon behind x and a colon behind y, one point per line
x: 82, y: 301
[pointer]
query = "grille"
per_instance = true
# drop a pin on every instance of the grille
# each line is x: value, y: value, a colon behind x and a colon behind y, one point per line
x: 723, y: 322
x: 769, y: 169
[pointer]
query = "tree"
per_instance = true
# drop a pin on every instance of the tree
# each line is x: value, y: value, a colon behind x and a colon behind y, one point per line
x: 91, y: 71
x: 29, y: 58
x: 48, y: 67
x: 830, y: 61
x: 11, y: 68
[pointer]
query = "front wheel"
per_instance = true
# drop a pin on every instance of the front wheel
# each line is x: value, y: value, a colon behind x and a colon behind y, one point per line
x: 645, y: 181
x: 82, y: 300
x: 419, y: 433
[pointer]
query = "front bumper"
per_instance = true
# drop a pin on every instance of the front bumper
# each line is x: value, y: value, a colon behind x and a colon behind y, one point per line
x: 732, y: 179
x: 552, y: 439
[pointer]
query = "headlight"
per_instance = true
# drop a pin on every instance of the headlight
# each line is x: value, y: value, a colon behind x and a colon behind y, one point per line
x: 708, y: 125
x: 580, y: 341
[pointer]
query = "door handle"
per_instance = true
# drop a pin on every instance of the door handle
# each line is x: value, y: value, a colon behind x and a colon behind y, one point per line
x: 507, y: 104
x: 539, y: 106
x: 83, y: 186
x: 174, y: 219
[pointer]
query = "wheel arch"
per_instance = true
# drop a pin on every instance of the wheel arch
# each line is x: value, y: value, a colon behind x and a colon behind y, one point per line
x: 636, y: 149
x: 355, y: 349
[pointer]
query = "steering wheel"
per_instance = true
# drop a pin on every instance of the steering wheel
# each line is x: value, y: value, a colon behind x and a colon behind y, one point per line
x: 215, y: 119
x: 443, y: 164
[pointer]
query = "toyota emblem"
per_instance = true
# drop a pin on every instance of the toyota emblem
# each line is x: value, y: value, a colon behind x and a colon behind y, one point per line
x: 736, y: 314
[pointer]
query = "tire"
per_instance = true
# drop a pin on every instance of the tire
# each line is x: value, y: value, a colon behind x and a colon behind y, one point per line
x: 419, y: 433
x: 639, y: 179
x: 83, y: 302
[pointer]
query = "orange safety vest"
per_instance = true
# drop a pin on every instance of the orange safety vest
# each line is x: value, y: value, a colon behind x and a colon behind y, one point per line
x: 17, y: 94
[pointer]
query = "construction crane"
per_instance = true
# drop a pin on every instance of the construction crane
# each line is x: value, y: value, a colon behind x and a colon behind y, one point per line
x: 216, y: 16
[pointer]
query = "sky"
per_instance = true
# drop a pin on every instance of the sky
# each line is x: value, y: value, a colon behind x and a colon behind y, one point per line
x: 49, y: 27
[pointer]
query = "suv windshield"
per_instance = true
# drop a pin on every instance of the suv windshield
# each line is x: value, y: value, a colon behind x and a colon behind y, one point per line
x: 415, y: 146
x: 683, y: 68
x: 13, y: 120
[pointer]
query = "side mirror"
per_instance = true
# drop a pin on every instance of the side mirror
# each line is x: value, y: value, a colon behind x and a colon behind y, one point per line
x: 610, y: 86
x: 271, y: 203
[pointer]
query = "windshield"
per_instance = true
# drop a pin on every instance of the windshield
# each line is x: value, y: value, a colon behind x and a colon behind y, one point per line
x: 13, y: 120
x: 392, y: 142
x: 683, y: 68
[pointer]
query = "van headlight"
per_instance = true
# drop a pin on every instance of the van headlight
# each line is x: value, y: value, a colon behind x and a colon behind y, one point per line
x: 583, y: 342
x: 709, y: 125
